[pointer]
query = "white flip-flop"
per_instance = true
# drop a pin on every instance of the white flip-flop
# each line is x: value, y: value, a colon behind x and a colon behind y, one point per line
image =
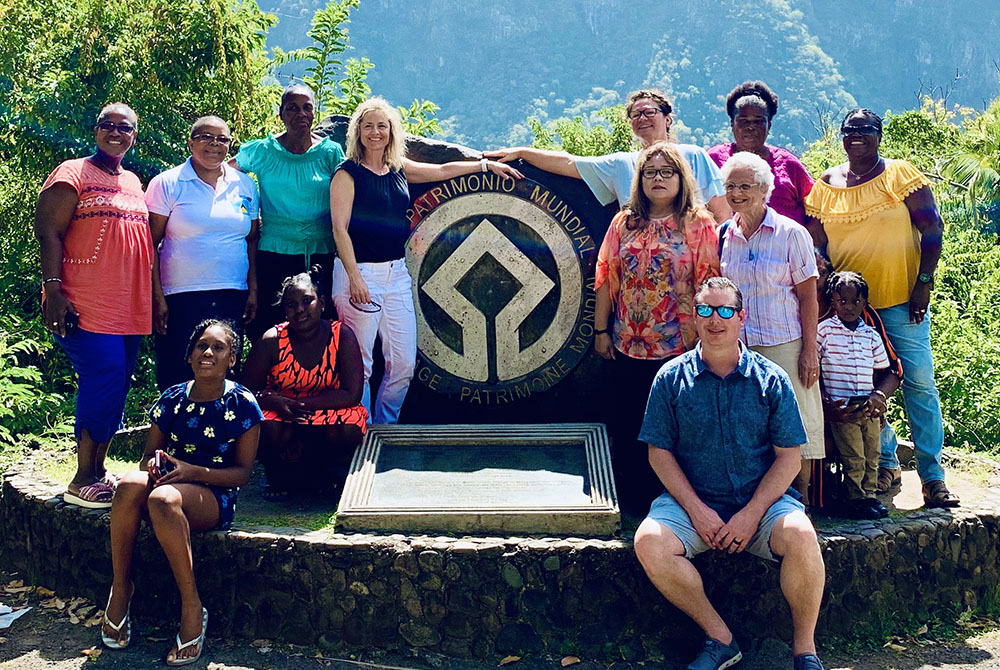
x: 200, y: 641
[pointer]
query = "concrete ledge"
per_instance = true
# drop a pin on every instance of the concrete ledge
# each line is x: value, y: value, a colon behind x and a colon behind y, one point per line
x: 475, y: 597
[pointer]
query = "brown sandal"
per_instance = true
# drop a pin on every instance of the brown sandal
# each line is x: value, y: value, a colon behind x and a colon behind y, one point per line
x: 936, y: 494
x: 888, y: 479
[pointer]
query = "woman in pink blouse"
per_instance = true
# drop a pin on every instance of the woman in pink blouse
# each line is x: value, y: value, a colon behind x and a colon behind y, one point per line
x: 751, y: 106
x: 656, y: 252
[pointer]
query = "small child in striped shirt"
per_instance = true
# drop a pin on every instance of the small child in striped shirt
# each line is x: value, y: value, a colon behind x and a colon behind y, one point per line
x: 850, y: 354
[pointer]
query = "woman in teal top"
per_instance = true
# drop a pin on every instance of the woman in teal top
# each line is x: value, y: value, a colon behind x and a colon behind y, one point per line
x: 293, y: 170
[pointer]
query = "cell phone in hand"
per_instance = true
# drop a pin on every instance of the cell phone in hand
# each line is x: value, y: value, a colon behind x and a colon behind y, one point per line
x: 855, y: 403
x: 72, y: 321
x: 162, y: 464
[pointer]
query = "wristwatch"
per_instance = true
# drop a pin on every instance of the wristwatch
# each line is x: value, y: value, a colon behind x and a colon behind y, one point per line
x: 925, y: 278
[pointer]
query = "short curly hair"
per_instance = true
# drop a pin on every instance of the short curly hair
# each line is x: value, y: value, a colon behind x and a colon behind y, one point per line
x: 845, y: 279
x: 872, y: 117
x: 756, y: 89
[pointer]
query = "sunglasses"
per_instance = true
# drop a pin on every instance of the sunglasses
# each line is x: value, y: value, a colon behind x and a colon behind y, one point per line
x: 724, y: 311
x: 859, y: 130
x: 123, y: 128
x: 366, y: 307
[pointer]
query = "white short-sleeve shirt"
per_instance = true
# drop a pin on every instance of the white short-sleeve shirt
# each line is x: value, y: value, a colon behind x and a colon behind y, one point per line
x: 204, y: 247
x: 610, y: 177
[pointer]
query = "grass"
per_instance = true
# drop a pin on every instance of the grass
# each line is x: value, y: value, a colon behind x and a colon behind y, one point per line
x: 61, y: 466
x: 316, y: 521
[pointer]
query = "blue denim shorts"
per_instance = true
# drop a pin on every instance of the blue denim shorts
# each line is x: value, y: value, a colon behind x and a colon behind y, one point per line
x: 668, y: 512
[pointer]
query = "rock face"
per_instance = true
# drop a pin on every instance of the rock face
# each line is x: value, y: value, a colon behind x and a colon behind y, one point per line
x: 503, y: 274
x: 475, y: 597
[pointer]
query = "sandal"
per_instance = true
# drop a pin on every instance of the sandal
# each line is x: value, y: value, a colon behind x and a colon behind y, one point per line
x: 111, y: 479
x: 179, y: 647
x: 888, y: 479
x: 117, y: 643
x: 936, y: 494
x: 93, y: 496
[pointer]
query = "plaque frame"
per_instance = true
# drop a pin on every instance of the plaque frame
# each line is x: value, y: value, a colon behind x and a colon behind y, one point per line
x: 598, y: 518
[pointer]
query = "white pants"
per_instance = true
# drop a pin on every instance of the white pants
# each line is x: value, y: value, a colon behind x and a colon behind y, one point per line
x: 391, y: 287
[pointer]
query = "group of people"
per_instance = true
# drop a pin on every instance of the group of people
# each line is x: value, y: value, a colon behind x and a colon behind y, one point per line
x: 719, y: 264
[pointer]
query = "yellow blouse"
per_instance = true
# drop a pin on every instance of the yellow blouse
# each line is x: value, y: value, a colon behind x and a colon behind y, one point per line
x: 869, y: 231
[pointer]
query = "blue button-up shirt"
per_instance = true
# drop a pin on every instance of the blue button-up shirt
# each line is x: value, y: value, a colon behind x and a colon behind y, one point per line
x: 722, y: 431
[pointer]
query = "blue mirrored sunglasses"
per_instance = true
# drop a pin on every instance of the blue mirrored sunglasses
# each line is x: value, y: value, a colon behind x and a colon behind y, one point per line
x: 724, y: 311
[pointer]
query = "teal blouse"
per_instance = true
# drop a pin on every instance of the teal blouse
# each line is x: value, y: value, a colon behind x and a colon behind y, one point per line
x: 294, y: 194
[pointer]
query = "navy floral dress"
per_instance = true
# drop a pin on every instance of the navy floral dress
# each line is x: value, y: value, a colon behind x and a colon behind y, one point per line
x: 205, y: 433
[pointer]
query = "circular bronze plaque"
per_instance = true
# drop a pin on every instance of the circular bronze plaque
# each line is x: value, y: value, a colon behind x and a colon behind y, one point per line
x: 501, y: 289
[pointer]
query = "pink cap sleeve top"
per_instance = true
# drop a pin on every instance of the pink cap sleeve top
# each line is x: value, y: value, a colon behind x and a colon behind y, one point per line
x: 107, y: 250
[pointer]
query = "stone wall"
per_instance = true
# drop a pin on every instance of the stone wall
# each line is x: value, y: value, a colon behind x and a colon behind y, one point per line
x: 476, y: 597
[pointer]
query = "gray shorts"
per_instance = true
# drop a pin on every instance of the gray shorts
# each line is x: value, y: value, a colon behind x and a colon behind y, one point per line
x: 668, y: 512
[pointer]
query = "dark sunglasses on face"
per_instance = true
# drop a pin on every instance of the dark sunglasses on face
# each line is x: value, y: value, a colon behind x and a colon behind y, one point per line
x: 724, y: 311
x: 858, y: 130
x: 665, y: 172
x: 649, y: 113
x: 208, y: 138
x: 123, y: 128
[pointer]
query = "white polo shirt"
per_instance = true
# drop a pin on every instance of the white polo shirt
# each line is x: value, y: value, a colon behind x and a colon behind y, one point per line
x: 204, y: 247
x: 848, y: 358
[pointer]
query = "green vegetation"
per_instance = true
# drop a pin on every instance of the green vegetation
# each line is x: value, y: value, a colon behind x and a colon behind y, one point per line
x: 170, y: 60
x: 173, y: 61
x: 965, y: 328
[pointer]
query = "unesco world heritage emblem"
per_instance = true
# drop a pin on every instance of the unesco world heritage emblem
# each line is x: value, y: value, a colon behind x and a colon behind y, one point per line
x: 503, y: 291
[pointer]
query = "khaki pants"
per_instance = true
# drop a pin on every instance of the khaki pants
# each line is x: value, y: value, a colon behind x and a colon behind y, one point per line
x: 859, y: 448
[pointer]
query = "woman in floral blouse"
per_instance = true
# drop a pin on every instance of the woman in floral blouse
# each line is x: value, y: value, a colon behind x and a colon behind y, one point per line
x: 656, y: 252
x: 201, y: 449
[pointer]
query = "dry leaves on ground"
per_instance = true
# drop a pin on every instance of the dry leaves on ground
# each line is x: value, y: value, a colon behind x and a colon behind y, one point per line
x: 568, y: 661
x: 507, y: 660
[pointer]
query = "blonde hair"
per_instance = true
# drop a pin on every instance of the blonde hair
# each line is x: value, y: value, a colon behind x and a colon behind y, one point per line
x: 688, y: 201
x: 395, y: 150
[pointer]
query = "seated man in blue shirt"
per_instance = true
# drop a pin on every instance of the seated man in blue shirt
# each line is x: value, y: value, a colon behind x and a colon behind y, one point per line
x: 724, y: 433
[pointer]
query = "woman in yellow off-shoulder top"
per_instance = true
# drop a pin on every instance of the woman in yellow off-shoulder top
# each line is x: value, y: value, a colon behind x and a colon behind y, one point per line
x: 877, y: 217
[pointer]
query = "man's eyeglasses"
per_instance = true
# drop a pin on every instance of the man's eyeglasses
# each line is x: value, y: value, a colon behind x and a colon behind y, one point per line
x: 208, y: 138
x: 724, y: 311
x: 742, y: 188
x: 649, y: 113
x: 123, y: 128
x: 859, y: 130
x: 665, y: 172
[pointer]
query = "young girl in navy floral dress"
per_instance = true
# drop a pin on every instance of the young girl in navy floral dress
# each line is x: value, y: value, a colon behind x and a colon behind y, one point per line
x: 201, y: 449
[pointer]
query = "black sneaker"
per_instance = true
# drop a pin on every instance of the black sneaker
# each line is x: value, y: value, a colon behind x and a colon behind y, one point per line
x: 716, y: 656
x: 807, y: 662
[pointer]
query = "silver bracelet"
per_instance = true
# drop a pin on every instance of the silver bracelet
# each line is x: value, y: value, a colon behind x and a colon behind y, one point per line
x: 881, y: 394
x: 51, y: 279
x: 483, y: 162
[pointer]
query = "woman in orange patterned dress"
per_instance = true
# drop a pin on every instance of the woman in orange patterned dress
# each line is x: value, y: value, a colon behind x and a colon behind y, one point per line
x: 307, y: 375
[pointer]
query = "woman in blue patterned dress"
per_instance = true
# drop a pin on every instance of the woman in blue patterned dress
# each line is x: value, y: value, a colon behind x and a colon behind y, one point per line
x: 201, y: 449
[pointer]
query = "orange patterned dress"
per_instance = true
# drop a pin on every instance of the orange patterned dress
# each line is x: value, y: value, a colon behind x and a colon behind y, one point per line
x: 292, y: 380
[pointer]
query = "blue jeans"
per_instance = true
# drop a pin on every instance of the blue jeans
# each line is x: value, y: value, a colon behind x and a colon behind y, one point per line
x: 912, y: 342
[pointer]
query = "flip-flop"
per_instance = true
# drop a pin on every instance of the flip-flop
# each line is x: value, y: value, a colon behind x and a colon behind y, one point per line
x: 179, y: 647
x: 93, y: 496
x: 110, y: 642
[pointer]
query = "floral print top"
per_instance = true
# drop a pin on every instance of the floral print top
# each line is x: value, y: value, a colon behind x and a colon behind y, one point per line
x: 652, y: 270
x: 205, y: 433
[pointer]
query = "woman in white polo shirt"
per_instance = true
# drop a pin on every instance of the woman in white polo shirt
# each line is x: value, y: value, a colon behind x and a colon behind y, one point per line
x: 203, y: 215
